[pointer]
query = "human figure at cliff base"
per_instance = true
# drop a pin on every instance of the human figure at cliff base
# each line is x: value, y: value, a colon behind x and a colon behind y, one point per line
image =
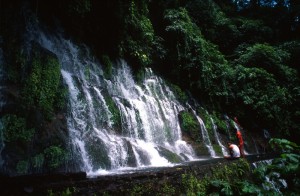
x: 241, y: 142
x: 234, y: 151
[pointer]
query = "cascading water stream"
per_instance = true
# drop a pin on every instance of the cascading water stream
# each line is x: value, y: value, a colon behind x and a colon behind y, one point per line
x: 224, y: 151
x: 228, y: 126
x: 148, y: 113
x: 238, y: 127
x: 204, y: 134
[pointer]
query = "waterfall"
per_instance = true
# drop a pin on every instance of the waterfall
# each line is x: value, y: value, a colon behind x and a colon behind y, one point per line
x: 228, y: 126
x: 149, y: 128
x: 204, y: 134
x: 224, y: 151
x: 238, y: 127
x: 255, y: 146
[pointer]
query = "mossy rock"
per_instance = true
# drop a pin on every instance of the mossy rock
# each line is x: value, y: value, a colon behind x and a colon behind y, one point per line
x: 189, y: 125
x: 170, y: 156
x: 97, y: 154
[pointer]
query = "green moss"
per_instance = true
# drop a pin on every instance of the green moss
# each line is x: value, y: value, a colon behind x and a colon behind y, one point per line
x: 42, y: 85
x: 116, y: 116
x: 180, y: 95
x: 189, y: 124
x: 170, y: 156
x: 217, y: 149
x: 221, y: 124
x: 55, y: 156
x: 15, y: 129
x: 152, y: 188
x: 98, y: 155
x: 194, y: 186
x: 107, y: 66
x: 207, y: 121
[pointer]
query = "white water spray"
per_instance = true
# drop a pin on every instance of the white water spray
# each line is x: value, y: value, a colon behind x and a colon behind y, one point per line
x: 224, y: 151
x: 148, y: 112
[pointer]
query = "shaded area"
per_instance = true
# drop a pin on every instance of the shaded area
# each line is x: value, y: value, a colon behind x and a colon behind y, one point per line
x: 79, y: 183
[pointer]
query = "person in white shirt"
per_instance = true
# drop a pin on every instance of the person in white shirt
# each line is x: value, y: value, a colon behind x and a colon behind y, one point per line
x: 234, y: 150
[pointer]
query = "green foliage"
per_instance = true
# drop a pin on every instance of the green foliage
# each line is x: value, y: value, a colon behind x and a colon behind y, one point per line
x: 198, y: 62
x: 179, y: 93
x: 221, y: 186
x: 248, y: 188
x: 220, y: 123
x: 217, y: 148
x: 140, y: 41
x: 284, y: 145
x: 42, y: 85
x: 193, y: 186
x: 232, y: 172
x: 252, y: 31
x: 205, y: 116
x: 55, y: 156
x: 269, y: 102
x: 60, y: 99
x: 15, y: 129
x: 189, y: 124
x: 269, y: 58
x: 288, y: 163
x: 225, y: 179
x: 286, y: 167
x: 214, y: 24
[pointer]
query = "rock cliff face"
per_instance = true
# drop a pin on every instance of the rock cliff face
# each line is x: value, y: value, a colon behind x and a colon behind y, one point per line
x: 28, y: 130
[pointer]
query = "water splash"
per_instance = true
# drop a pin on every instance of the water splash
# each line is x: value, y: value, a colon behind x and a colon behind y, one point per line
x: 216, y: 134
x: 148, y: 112
x: 204, y: 134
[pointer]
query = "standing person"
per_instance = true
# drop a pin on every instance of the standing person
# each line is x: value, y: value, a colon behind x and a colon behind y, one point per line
x: 239, y: 137
x: 234, y: 151
x: 241, y: 142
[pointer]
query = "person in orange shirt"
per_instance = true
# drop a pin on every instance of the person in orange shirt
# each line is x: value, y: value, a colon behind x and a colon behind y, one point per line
x: 241, y: 142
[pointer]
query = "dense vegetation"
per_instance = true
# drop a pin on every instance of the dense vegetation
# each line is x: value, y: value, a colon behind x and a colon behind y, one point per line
x: 235, y: 57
